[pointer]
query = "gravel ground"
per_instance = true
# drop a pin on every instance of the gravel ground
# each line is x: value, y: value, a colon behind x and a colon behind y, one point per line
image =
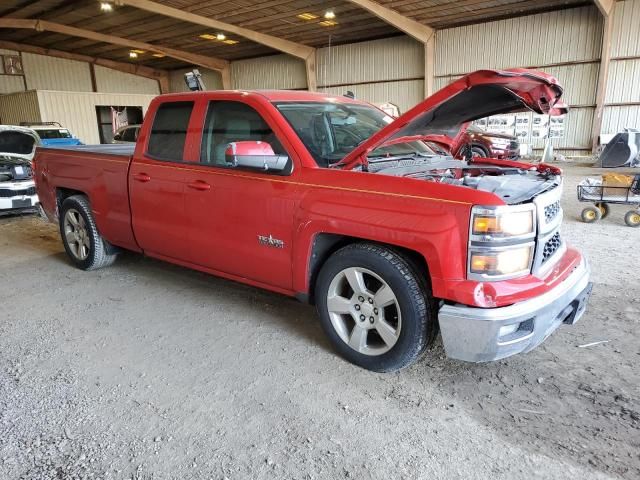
x: 145, y: 370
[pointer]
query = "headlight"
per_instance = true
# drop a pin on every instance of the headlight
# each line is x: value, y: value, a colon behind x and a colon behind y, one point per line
x: 502, y: 223
x: 501, y: 242
x: 510, y: 262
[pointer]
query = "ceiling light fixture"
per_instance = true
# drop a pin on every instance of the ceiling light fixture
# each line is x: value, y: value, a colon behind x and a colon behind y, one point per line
x: 133, y: 54
x: 307, y: 16
x: 220, y: 36
x: 328, y: 23
x: 159, y: 55
x: 230, y: 42
x: 139, y: 52
x: 329, y: 15
x: 207, y: 36
x: 106, y: 7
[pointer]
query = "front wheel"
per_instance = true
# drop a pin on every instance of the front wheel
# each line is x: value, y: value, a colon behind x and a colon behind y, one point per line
x: 84, y: 245
x: 374, y: 307
x: 479, y: 152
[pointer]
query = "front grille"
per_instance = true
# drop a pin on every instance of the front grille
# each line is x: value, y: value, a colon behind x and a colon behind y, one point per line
x: 551, y: 211
x: 6, y: 193
x: 551, y: 246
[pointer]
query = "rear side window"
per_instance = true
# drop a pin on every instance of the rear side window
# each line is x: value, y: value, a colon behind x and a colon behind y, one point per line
x: 169, y: 131
x: 130, y: 134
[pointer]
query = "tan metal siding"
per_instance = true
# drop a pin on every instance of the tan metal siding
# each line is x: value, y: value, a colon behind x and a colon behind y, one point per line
x: 11, y: 83
x: 535, y: 40
x: 272, y: 72
x: 614, y: 119
x: 77, y: 110
x: 113, y: 81
x: 397, y: 58
x: 52, y: 73
x: 623, y: 85
x: 405, y: 93
x: 212, y: 79
x: 19, y: 107
x: 625, y: 41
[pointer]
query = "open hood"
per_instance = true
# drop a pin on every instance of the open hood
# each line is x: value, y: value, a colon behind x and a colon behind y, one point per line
x: 18, y: 142
x: 480, y: 94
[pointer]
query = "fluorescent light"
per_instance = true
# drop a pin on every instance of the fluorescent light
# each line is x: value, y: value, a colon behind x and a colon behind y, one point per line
x: 207, y: 36
x: 220, y: 36
x: 140, y: 52
x: 159, y: 55
x: 328, y: 23
x: 230, y: 42
x: 306, y: 16
x: 106, y: 7
x: 329, y: 15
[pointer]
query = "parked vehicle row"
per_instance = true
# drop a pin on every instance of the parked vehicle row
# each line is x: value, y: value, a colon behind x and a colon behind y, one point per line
x: 332, y: 201
x: 17, y: 188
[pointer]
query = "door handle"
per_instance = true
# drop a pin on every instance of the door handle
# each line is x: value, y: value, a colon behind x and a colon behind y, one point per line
x: 199, y: 185
x: 142, y: 177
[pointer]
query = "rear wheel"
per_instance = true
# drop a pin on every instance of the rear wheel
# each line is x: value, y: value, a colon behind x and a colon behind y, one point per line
x: 374, y: 307
x: 632, y: 218
x: 82, y: 242
x: 604, y: 209
x: 591, y: 214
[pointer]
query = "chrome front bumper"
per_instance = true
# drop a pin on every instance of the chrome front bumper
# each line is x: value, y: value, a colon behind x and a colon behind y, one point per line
x: 483, y: 334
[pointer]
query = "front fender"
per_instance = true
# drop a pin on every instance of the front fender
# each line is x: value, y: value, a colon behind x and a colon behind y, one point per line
x: 436, y: 230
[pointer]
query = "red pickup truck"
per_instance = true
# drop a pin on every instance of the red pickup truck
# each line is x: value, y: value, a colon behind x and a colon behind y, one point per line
x: 330, y: 200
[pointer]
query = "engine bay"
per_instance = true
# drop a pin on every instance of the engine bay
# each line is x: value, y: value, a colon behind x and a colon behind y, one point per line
x: 512, y: 184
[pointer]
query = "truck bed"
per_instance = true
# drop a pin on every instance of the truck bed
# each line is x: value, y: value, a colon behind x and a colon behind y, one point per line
x: 108, y: 149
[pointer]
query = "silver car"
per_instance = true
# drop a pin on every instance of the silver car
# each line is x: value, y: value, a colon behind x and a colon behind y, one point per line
x: 128, y: 134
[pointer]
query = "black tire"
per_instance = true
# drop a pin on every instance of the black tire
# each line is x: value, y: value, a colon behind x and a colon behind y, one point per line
x: 591, y: 214
x: 478, y: 151
x: 632, y: 218
x: 417, y: 307
x: 604, y: 209
x: 100, y: 252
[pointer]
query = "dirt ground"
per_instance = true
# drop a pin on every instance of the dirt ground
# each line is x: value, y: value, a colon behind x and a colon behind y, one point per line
x: 149, y: 371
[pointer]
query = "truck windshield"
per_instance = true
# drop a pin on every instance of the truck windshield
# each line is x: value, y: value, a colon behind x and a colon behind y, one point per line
x: 53, y: 133
x: 331, y: 130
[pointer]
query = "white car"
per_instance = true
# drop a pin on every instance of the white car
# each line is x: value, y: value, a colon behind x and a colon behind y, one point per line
x: 128, y: 134
x: 17, y: 188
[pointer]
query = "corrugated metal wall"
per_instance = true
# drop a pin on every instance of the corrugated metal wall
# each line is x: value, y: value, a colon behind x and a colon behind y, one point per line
x: 19, y: 107
x: 77, y: 110
x: 113, y: 81
x: 53, y: 73
x: 622, y: 99
x: 564, y: 43
x: 377, y: 71
x: 275, y: 71
x: 212, y: 79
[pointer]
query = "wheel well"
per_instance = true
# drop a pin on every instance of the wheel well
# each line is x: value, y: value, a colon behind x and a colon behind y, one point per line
x: 326, y: 244
x: 481, y: 147
x: 63, y: 193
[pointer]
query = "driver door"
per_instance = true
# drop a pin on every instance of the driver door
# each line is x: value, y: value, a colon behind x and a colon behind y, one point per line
x: 231, y: 210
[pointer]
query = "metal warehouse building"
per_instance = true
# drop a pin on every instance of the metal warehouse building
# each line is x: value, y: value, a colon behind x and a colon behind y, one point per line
x: 319, y: 239
x: 596, y: 55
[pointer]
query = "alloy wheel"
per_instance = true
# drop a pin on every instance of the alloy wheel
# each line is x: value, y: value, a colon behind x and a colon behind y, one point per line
x: 364, y: 311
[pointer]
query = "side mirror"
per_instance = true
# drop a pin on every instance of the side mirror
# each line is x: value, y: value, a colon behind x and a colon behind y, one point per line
x: 255, y: 154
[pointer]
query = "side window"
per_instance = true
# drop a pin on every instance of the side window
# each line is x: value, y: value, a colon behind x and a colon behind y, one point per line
x: 129, y: 135
x: 169, y: 131
x: 228, y: 122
